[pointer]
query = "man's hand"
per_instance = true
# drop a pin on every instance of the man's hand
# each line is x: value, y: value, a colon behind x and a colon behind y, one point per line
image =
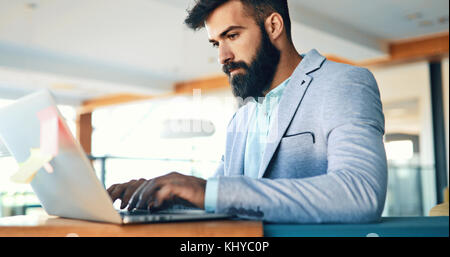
x: 147, y: 194
x: 124, y: 191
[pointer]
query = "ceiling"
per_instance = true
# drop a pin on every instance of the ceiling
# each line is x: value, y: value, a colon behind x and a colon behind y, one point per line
x: 382, y: 19
x: 84, y: 49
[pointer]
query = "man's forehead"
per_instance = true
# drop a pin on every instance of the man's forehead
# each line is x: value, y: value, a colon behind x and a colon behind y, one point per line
x: 229, y: 14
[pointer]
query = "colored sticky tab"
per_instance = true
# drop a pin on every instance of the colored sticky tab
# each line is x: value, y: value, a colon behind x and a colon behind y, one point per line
x: 31, y: 166
x: 49, y: 130
x: 64, y: 133
x: 53, y: 132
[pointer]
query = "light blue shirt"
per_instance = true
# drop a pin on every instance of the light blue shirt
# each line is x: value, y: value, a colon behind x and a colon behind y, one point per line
x: 257, y: 135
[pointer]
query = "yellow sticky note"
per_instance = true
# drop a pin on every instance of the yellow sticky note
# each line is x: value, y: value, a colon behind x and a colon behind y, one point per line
x: 30, y: 167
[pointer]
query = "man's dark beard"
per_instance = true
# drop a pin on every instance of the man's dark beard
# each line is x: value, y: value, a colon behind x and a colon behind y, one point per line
x: 256, y: 79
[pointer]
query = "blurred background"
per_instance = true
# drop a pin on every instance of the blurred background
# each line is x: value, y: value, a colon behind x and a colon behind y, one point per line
x: 125, y: 72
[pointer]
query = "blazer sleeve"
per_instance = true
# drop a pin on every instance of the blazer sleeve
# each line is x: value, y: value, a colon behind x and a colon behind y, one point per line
x: 354, y: 188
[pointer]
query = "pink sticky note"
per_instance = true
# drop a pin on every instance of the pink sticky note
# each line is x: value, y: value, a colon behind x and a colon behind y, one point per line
x: 49, y: 134
x: 64, y: 133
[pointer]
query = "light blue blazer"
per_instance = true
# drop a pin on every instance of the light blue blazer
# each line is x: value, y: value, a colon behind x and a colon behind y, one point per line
x: 325, y: 161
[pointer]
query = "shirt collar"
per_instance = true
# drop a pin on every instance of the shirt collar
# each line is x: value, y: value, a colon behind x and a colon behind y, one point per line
x: 276, y: 93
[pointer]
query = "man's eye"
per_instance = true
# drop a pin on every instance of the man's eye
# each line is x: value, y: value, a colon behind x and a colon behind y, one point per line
x: 215, y: 45
x: 232, y: 36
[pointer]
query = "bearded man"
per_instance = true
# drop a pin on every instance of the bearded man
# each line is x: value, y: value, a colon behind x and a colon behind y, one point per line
x: 309, y: 146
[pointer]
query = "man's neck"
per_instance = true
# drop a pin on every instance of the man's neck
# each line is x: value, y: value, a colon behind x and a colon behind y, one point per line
x: 289, y: 60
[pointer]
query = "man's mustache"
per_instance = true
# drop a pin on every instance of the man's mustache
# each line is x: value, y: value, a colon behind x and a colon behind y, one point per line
x: 227, y: 68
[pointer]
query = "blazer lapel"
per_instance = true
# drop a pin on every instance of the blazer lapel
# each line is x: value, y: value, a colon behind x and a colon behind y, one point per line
x: 289, y: 104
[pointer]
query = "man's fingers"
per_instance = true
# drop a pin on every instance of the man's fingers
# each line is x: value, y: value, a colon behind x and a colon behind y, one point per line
x: 130, y: 191
x: 117, y: 192
x: 160, y: 189
x: 111, y: 189
x: 127, y: 196
x: 165, y: 193
x: 136, y: 195
x: 146, y: 196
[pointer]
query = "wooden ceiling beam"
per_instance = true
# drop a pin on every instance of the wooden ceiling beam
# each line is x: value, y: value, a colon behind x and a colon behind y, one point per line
x: 420, y: 48
x: 433, y: 47
x: 186, y: 87
x: 339, y: 59
x: 115, y: 99
x: 204, y: 84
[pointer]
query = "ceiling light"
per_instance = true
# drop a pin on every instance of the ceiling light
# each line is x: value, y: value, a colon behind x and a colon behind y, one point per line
x: 414, y: 16
x: 425, y: 23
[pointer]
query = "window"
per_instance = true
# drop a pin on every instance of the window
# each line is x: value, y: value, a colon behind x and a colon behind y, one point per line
x: 404, y: 195
x: 136, y: 142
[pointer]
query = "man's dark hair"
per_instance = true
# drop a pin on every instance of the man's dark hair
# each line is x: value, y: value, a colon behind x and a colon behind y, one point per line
x: 259, y: 9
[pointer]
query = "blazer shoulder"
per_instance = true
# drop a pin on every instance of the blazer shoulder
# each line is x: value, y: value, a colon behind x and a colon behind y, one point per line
x: 351, y: 93
x: 345, y: 71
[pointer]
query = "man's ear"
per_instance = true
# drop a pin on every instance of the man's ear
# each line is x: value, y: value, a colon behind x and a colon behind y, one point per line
x: 274, y: 26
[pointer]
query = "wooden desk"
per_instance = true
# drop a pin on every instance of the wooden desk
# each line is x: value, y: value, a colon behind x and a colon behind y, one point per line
x: 50, y: 226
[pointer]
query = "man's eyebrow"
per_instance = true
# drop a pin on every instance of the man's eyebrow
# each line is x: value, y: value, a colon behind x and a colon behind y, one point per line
x: 225, y: 32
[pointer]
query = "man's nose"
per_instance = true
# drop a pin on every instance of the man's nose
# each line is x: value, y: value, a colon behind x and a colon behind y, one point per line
x: 225, y: 55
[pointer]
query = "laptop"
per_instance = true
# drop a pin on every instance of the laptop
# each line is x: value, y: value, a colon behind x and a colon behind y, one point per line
x: 72, y: 190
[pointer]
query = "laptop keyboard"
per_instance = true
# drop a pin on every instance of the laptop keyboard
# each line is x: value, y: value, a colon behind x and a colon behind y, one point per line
x: 176, y: 208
